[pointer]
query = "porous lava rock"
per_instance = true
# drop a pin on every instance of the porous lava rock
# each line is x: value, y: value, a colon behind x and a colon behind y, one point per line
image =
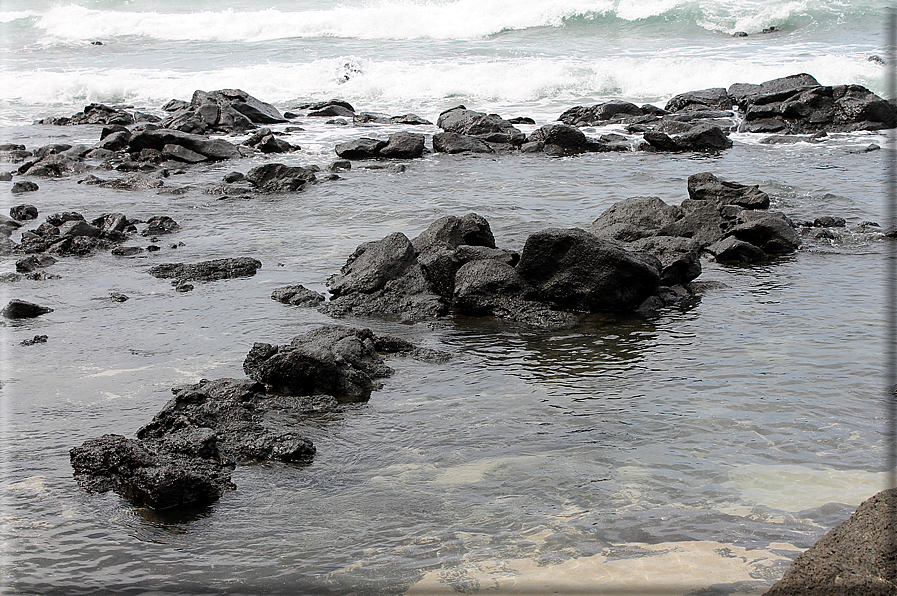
x: 855, y: 558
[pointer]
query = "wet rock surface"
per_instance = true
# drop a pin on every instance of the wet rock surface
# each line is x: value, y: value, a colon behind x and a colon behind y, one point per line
x: 856, y: 558
x: 207, y: 270
x: 455, y: 264
x: 20, y: 309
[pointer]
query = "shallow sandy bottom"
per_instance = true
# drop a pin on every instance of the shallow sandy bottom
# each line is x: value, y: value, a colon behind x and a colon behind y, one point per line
x: 670, y: 568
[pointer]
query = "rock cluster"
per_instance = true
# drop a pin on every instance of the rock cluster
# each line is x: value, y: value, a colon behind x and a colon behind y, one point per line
x: 798, y: 104
x: 222, y: 111
x: 726, y: 219
x: 455, y: 264
x: 184, y: 457
x: 68, y: 233
x: 640, y: 254
x: 698, y: 120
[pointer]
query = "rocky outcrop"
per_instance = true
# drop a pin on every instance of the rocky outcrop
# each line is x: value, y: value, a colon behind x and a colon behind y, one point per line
x: 558, y: 139
x: 453, y: 142
x: 333, y: 360
x: 634, y: 218
x: 159, y: 139
x: 707, y: 187
x: 152, y: 476
x: 207, y: 270
x: 715, y: 212
x: 700, y: 137
x: 798, y: 104
x: 68, y: 233
x: 183, y: 458
x: 490, y: 129
x: 401, y: 145
x: 96, y: 113
x: 605, y: 113
x: 384, y: 277
x: 222, y: 111
x: 455, y: 264
x: 856, y: 558
x: 267, y: 141
x: 23, y: 212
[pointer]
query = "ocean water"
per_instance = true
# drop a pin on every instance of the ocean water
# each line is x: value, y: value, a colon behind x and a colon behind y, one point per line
x: 696, y: 451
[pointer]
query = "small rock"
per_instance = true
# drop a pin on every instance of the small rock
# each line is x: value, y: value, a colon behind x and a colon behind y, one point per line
x: 24, y: 186
x: 118, y: 297
x: 232, y: 177
x: 23, y: 212
x: 29, y: 264
x: 19, y: 309
x: 183, y: 287
x: 297, y: 295
x: 160, y: 224
x: 126, y: 251
x: 37, y: 339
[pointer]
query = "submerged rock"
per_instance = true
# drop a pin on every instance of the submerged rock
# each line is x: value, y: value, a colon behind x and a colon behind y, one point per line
x: 207, y: 270
x: 19, y: 309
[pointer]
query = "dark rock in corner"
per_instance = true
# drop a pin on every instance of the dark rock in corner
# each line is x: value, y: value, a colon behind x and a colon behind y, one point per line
x: 856, y: 558
x: 19, y: 309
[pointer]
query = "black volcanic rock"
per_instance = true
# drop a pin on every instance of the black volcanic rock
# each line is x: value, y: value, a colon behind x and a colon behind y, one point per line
x: 19, y: 309
x: 207, y: 270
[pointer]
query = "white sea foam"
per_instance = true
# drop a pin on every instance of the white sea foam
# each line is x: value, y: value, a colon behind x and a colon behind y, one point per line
x: 10, y: 16
x: 398, y: 86
x: 417, y: 19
